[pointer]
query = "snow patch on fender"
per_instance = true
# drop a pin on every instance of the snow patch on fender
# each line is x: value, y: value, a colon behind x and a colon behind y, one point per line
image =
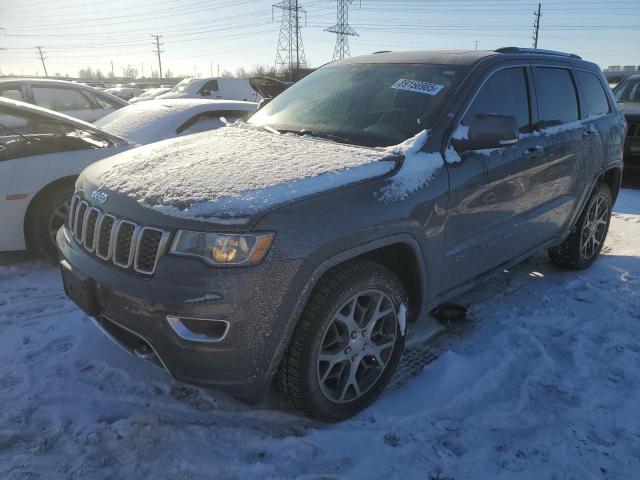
x: 417, y: 169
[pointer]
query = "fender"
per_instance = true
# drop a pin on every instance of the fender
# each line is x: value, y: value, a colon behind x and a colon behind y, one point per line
x: 330, y: 262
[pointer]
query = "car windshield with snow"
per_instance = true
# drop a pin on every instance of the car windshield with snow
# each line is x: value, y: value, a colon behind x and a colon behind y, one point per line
x: 363, y: 103
x: 296, y: 250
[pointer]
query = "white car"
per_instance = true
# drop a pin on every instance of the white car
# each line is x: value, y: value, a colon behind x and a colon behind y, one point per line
x: 73, y: 99
x: 41, y: 154
x: 214, y: 88
x: 149, y: 94
x: 155, y: 120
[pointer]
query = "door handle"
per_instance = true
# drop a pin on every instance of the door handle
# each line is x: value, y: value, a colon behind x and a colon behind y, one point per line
x: 535, y: 152
x: 587, y: 134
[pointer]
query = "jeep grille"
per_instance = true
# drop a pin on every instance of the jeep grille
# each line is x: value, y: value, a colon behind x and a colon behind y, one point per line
x: 124, y: 243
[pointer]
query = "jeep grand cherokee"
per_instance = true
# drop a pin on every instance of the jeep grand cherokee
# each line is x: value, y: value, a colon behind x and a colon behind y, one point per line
x: 294, y: 249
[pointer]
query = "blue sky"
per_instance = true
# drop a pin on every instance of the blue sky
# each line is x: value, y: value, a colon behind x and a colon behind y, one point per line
x: 233, y: 33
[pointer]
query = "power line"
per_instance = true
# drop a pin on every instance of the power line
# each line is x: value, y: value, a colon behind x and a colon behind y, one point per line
x: 157, y: 51
x: 42, y: 59
x: 343, y: 30
x: 290, y: 51
x: 536, y: 25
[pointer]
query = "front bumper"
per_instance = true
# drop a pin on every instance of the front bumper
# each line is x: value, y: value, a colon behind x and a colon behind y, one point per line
x: 256, y: 303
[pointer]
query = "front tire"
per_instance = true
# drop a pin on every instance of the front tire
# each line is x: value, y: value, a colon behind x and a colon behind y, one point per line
x: 47, y: 216
x: 347, y: 344
x: 582, y: 247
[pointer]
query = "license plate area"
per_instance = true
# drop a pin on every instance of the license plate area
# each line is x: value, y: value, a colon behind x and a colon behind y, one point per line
x: 80, y: 289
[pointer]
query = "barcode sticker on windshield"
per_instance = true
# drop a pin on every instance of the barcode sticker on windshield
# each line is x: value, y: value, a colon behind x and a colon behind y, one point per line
x: 418, y: 86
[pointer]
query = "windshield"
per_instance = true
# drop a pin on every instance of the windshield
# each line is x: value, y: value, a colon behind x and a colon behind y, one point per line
x: 628, y: 91
x: 23, y: 135
x: 366, y: 104
x: 183, y: 86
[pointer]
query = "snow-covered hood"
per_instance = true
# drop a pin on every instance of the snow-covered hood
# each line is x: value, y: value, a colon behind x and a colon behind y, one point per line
x: 231, y: 174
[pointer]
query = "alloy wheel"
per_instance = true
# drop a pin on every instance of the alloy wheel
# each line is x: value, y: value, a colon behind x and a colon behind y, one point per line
x: 357, y: 346
x: 594, y: 228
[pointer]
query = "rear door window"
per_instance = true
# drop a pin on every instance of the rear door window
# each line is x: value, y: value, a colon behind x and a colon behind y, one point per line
x: 14, y: 93
x: 60, y: 99
x: 594, y: 98
x: 103, y: 101
x: 556, y: 95
x: 504, y: 93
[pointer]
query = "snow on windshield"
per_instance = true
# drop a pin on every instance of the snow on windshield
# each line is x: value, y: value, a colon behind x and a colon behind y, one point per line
x: 234, y: 171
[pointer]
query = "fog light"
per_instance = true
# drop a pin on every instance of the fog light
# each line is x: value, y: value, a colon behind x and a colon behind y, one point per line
x: 206, y: 330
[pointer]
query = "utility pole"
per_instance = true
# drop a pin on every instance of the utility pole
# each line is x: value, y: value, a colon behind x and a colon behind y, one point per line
x: 42, y: 59
x: 157, y: 51
x: 113, y: 73
x: 142, y: 66
x: 218, y: 69
x: 536, y: 25
x: 290, y: 39
x: 297, y: 42
x: 211, y: 65
x: 343, y: 31
x: 476, y: 45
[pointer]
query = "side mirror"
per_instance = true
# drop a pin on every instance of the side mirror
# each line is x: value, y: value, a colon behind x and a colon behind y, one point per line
x: 263, y: 102
x: 205, y: 93
x: 490, y: 130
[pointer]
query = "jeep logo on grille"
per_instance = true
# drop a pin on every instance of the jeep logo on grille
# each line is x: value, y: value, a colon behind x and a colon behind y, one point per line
x: 99, y: 196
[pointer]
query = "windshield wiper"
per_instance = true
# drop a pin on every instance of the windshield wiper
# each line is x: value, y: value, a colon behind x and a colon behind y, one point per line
x: 330, y: 136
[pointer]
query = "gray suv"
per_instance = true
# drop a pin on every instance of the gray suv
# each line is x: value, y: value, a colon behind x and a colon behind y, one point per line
x: 294, y: 250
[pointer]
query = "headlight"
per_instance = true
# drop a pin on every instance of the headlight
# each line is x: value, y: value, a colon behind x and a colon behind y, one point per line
x: 222, y: 249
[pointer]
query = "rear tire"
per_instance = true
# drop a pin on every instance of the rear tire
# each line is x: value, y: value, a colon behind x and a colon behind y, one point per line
x: 47, y: 215
x: 583, y: 245
x: 347, y: 343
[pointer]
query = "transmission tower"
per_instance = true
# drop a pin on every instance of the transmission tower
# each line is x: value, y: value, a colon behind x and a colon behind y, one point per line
x: 536, y: 25
x: 290, y: 52
x: 342, y: 30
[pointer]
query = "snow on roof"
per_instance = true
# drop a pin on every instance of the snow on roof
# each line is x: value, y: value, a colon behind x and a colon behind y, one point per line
x: 155, y: 120
x: 237, y: 171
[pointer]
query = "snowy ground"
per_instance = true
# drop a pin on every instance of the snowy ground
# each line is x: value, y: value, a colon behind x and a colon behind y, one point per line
x: 544, y: 384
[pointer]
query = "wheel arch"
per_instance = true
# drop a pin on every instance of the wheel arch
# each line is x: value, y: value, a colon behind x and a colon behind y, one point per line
x: 612, y: 178
x: 31, y: 208
x: 395, y: 253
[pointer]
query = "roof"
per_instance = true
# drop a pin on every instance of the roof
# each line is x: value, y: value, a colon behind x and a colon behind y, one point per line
x: 457, y: 57
x: 8, y: 105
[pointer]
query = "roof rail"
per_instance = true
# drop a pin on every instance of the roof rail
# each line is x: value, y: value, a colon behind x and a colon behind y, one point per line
x: 381, y: 51
x: 536, y: 50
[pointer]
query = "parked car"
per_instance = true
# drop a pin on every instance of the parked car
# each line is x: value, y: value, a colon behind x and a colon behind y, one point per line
x: 213, y: 88
x: 41, y: 154
x: 125, y: 92
x: 156, y: 120
x: 150, y: 94
x: 73, y: 99
x: 296, y: 249
x: 627, y: 95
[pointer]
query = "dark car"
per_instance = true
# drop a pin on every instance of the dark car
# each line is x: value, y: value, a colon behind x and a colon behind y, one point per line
x: 627, y: 94
x: 293, y: 250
